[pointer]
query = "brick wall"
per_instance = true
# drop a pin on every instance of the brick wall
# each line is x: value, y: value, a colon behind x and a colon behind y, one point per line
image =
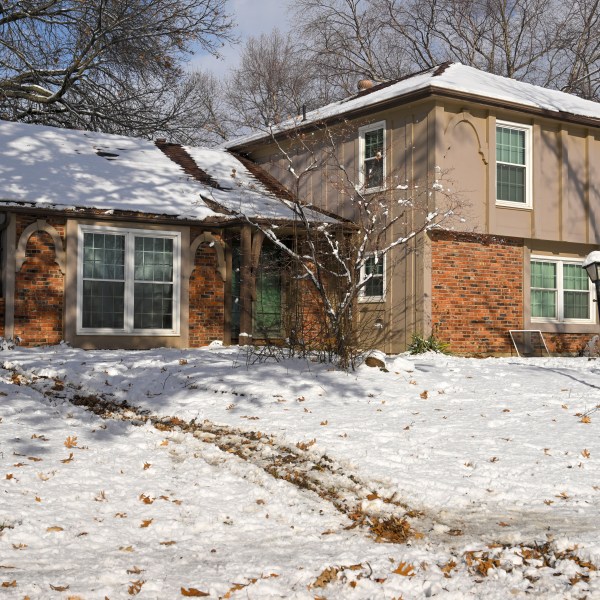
x: 477, y: 291
x: 207, y: 291
x: 39, y: 288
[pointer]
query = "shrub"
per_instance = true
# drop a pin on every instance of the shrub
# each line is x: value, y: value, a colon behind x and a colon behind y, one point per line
x: 421, y: 344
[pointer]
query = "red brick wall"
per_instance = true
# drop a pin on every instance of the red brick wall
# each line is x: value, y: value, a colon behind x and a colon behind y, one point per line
x: 477, y: 291
x: 207, y: 296
x: 39, y: 288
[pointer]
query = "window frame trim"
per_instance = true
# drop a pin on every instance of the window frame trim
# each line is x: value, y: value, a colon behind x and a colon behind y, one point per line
x: 560, y: 290
x: 130, y: 233
x: 362, y: 131
x: 528, y: 129
x: 362, y: 297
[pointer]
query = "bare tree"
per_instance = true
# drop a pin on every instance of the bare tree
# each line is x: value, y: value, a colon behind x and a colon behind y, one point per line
x: 348, y: 40
x: 102, y: 64
x: 273, y: 82
x: 335, y: 260
x: 545, y: 42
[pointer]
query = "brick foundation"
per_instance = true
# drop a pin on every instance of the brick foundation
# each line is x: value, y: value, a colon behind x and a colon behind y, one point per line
x: 207, y: 297
x: 39, y: 288
x: 477, y: 291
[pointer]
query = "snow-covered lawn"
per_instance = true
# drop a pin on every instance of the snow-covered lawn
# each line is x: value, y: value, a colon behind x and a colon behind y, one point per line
x: 493, y: 463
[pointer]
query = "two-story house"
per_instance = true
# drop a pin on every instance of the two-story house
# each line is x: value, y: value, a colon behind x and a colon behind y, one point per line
x: 523, y: 163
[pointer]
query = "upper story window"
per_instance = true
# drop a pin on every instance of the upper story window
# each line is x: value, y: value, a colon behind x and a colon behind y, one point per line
x: 128, y: 281
x: 372, y: 274
x: 560, y: 291
x: 513, y: 165
x: 372, y: 156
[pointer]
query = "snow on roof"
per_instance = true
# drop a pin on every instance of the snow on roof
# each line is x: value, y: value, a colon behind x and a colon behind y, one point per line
x: 48, y: 167
x: 241, y: 192
x: 454, y: 77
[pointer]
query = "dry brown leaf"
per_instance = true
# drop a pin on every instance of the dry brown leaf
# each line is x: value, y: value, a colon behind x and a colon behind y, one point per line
x: 19, y: 546
x: 147, y: 523
x: 42, y: 437
x: 146, y: 499
x: 71, y: 441
x: 10, y: 476
x: 147, y: 466
x: 54, y: 528
x: 193, y: 592
x: 59, y: 588
x: 585, y: 419
x: 135, y: 571
x: 164, y: 443
x: 135, y: 588
x: 67, y: 460
x: 424, y: 394
x: 585, y: 453
x: 120, y: 515
x: 7, y: 584
x: 169, y: 543
x: 372, y: 496
x: 503, y: 524
x: 404, y: 569
x: 324, y: 422
x: 34, y: 459
x: 326, y: 576
x: 126, y: 548
x: 447, y: 568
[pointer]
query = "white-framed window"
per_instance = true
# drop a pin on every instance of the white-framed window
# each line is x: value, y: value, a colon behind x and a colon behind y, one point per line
x: 560, y: 291
x: 371, y: 166
x: 372, y: 275
x: 513, y: 165
x: 128, y: 281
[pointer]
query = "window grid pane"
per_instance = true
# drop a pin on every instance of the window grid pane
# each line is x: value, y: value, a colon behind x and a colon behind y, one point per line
x: 374, y: 286
x: 543, y: 304
x: 103, y: 256
x: 577, y: 305
x: 511, y: 164
x: 103, y: 304
x: 153, y: 306
x: 373, y: 158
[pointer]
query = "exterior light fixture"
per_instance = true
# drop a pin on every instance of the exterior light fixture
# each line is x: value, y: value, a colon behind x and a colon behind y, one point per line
x: 591, y: 264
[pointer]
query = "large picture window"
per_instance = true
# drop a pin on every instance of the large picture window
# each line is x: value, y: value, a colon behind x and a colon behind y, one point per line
x: 372, y: 156
x: 513, y: 164
x: 560, y: 291
x: 128, y: 281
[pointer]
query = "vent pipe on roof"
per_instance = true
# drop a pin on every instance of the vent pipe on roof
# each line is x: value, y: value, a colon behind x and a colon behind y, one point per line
x: 304, y: 112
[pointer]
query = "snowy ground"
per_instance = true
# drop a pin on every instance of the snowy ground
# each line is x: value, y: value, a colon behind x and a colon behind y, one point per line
x: 493, y: 466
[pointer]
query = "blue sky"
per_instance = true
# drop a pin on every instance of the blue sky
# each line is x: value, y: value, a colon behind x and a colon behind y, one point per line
x: 253, y: 17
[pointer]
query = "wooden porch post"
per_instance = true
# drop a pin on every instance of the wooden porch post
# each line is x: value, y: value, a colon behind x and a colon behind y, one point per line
x: 246, y: 287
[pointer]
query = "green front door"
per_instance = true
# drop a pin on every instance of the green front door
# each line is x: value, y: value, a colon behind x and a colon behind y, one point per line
x: 267, y: 308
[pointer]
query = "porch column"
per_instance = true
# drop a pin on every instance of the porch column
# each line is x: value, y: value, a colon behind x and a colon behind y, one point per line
x: 246, y: 287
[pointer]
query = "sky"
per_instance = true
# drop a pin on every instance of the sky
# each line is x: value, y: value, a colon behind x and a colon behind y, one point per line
x: 252, y: 17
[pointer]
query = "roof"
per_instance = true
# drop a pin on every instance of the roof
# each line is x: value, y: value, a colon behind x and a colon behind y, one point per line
x: 47, y: 167
x: 449, y: 78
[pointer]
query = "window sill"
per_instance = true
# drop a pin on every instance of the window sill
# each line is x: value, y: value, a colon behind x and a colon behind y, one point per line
x: 515, y: 205
x: 145, y: 333
x: 563, y: 326
x: 371, y: 299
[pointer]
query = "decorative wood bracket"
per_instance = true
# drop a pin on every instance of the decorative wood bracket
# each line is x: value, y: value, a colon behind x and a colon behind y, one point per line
x: 40, y: 225
x: 465, y: 117
x: 208, y: 238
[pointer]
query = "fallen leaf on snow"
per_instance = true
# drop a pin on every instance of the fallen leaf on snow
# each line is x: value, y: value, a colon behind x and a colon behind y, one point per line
x: 193, y: 592
x: 59, y: 588
x: 404, y: 569
x: 7, y: 584
x: 169, y: 543
x: 68, y: 460
x: 147, y: 466
x: 54, y: 528
x: 135, y: 588
x: 71, y: 441
x: 147, y: 523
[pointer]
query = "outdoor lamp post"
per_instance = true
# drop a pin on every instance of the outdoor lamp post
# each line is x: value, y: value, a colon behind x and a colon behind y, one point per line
x: 592, y: 265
